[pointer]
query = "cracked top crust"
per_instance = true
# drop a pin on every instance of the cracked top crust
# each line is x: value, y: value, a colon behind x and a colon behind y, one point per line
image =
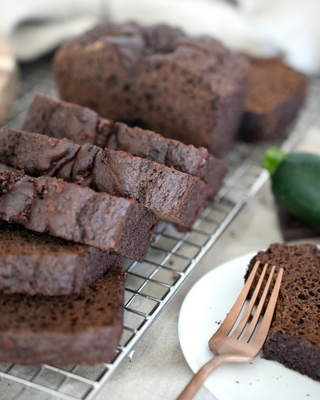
x: 154, y: 44
x: 59, y: 119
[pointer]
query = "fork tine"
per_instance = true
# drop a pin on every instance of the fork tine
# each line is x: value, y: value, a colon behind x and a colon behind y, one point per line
x: 267, y: 318
x: 231, y: 318
x: 246, y: 315
x: 246, y: 337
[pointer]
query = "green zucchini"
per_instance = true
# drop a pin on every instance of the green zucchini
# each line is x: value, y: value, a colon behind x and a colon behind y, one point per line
x: 296, y: 183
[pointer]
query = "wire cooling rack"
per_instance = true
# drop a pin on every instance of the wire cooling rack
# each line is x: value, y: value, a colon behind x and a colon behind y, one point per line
x: 151, y: 284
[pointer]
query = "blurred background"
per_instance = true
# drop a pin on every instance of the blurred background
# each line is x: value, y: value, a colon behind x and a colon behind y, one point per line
x: 286, y: 28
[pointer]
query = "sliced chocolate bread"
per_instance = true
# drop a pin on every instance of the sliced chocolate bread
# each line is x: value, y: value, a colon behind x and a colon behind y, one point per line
x: 172, y: 195
x: 76, y: 213
x: 294, y: 336
x: 81, y: 125
x: 33, y: 263
x: 191, y: 89
x: 60, y: 119
x: 172, y: 153
x: 276, y: 95
x: 83, y: 328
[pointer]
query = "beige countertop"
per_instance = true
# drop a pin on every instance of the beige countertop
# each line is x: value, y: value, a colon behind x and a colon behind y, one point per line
x: 158, y: 369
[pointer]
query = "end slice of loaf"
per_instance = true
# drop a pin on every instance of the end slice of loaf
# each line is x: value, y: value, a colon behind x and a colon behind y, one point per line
x: 81, y: 125
x: 172, y: 195
x: 83, y: 328
x: 76, y: 213
x: 37, y: 263
x: 294, y: 336
x: 276, y: 95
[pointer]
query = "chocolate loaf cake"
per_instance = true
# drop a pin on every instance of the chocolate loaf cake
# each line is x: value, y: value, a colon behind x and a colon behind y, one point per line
x: 185, y: 88
x: 277, y: 93
x: 172, y: 195
x: 61, y: 120
x: 83, y: 328
x: 33, y: 263
x: 294, y: 336
x: 76, y: 213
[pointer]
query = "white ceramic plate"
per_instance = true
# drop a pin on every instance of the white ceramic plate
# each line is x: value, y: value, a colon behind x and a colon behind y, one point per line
x: 208, y: 303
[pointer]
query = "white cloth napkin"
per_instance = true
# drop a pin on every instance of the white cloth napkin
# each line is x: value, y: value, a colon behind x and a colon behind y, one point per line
x: 288, y: 28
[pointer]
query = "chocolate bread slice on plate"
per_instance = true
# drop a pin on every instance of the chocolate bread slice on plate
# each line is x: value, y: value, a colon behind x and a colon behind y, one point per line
x: 82, y: 328
x: 191, y: 89
x: 33, y: 263
x: 277, y: 93
x: 81, y: 125
x: 294, y: 336
x: 76, y: 213
x: 172, y: 195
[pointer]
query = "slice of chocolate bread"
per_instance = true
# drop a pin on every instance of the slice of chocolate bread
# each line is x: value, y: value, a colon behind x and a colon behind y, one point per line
x: 172, y: 195
x: 294, y: 336
x: 83, y: 328
x: 172, y: 153
x: 81, y: 125
x: 185, y: 88
x: 59, y: 119
x: 277, y: 93
x: 76, y: 213
x: 33, y: 263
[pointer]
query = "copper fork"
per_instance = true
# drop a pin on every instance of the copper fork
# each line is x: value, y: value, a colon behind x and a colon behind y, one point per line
x: 232, y: 343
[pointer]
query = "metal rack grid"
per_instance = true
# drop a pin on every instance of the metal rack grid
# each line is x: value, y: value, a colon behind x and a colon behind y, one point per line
x: 151, y: 284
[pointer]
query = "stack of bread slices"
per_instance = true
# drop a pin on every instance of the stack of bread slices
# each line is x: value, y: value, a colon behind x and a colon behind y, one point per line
x: 85, y: 192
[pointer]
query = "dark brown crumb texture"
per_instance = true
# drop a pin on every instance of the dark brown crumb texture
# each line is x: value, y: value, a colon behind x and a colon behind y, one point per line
x: 76, y: 213
x: 185, y: 88
x: 294, y: 337
x: 277, y: 93
x: 33, y: 263
x: 81, y: 125
x: 83, y: 328
x: 172, y: 195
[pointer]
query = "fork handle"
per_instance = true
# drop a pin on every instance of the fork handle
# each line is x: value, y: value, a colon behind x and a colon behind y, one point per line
x: 196, y: 382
